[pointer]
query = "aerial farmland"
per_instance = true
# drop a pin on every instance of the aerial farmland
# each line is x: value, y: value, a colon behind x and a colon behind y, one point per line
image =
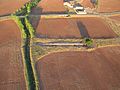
x: 11, y: 65
x: 59, y: 44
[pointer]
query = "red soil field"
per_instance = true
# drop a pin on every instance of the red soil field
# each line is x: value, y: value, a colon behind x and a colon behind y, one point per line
x: 52, y: 6
x: 9, y: 31
x: 81, y: 70
x: 73, y: 28
x: 108, y: 5
x: 117, y: 17
x: 58, y: 28
x: 87, y: 3
x: 11, y: 66
x: 10, y: 6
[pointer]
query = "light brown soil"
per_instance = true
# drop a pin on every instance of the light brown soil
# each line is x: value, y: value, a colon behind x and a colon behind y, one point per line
x: 68, y: 28
x: 108, y: 5
x: 95, y: 70
x: 52, y: 6
x: 10, y: 6
x: 11, y: 66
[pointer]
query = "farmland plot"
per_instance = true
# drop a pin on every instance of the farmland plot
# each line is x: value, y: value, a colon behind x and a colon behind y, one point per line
x: 78, y: 70
x: 108, y: 5
x: 10, y: 6
x: 74, y: 28
x: 11, y: 66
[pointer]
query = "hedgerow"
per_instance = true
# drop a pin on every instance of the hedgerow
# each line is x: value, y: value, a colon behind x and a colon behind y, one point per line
x: 20, y: 25
x: 30, y: 28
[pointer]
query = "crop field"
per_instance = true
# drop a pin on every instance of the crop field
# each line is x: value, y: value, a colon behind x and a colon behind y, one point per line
x: 108, y: 5
x: 50, y: 6
x: 10, y: 6
x: 78, y: 70
x: 74, y: 28
x: 11, y: 66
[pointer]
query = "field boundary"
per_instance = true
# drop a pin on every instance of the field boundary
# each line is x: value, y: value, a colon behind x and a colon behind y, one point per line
x: 27, y: 33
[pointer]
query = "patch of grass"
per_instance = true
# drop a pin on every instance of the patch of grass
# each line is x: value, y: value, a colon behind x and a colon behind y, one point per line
x: 106, y: 42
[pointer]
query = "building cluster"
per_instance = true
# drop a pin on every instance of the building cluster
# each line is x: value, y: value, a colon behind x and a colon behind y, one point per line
x: 77, y: 7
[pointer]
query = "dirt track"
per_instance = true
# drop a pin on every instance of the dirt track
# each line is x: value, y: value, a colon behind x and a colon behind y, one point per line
x: 11, y: 66
x: 10, y: 6
x: 74, y: 28
x: 96, y: 70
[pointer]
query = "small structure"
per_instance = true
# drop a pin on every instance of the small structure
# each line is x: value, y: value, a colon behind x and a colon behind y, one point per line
x: 69, y: 3
x: 79, y: 9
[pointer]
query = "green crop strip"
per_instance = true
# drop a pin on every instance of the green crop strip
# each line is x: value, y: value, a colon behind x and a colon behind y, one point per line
x: 27, y: 33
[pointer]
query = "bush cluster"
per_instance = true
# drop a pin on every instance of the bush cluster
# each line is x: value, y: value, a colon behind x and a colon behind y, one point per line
x: 30, y: 28
x: 88, y: 42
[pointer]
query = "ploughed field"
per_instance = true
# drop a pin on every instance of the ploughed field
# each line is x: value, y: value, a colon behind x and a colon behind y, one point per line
x: 108, y: 5
x: 86, y: 3
x: 51, y: 6
x: 74, y: 28
x: 81, y: 70
x: 116, y: 17
x: 11, y: 66
x: 10, y: 6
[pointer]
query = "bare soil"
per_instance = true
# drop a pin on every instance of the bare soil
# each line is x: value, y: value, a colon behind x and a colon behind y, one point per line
x: 116, y: 17
x: 74, y: 28
x: 108, y: 5
x: 86, y: 3
x: 11, y: 66
x: 9, y: 31
x: 81, y: 70
x: 50, y: 6
x: 10, y: 6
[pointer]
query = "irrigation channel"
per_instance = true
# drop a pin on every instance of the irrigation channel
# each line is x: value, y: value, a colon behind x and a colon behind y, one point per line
x: 27, y: 33
x: 31, y: 85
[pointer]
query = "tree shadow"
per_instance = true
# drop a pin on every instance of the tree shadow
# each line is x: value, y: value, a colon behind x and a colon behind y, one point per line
x: 83, y: 30
x: 35, y: 16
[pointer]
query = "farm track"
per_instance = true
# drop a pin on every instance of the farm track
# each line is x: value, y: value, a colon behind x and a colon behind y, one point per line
x: 4, y: 17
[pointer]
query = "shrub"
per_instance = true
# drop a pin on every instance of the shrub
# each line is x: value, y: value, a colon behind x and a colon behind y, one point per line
x: 21, y: 26
x: 89, y: 42
x: 30, y: 28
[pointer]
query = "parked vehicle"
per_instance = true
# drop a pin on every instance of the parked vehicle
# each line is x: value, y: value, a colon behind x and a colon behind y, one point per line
x: 79, y: 9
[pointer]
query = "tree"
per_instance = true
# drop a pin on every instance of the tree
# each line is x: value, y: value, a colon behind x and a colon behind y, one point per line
x: 89, y: 42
